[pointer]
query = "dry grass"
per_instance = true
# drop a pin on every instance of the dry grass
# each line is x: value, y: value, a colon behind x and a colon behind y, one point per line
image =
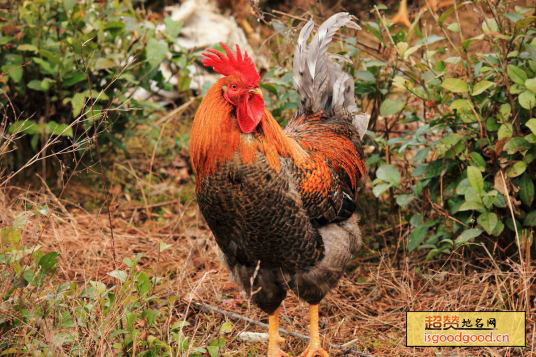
x: 127, y: 211
x: 366, y: 312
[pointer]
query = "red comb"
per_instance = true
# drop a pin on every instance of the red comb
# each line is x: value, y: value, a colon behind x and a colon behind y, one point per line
x: 241, y: 66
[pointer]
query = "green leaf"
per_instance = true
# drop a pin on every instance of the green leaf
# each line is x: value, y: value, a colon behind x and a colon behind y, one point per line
x: 173, y: 28
x: 14, y: 72
x: 213, y: 351
x: 45, y: 83
x: 45, y: 66
x: 489, y: 198
x: 150, y: 316
x: 104, y: 63
x: 471, y: 206
x: 505, y: 131
x: 524, y: 23
x: 27, y: 47
x: 498, y: 229
x: 156, y: 51
x: 505, y: 110
x: 59, y: 129
x: 516, y: 74
x: 475, y: 179
x: 78, y: 102
x: 491, y: 124
x: 35, y: 85
x: 5, y: 40
x: 517, y: 88
x: 531, y: 84
x: 463, y: 105
x: 391, y: 106
x: 489, y: 25
x: 454, y: 27
x: 48, y: 261
x: 526, y: 189
x: 513, y: 224
x: 143, y: 284
x: 530, y: 219
x: 455, y: 85
x: 389, y: 173
x: 269, y: 87
x: 404, y: 200
x: 120, y: 275
x: 35, y: 141
x: 531, y: 138
x: 365, y: 76
x: 163, y: 246
x: 179, y: 325
x: 477, y: 160
x: 531, y: 124
x: 24, y: 126
x: 214, y: 346
x: 516, y: 169
x: 482, y: 86
x: 74, y: 78
x: 381, y: 188
x: 428, y: 40
x: 417, y: 237
x: 226, y: 327
x: 69, y: 5
x: 527, y: 100
x: 29, y: 276
x: 516, y: 144
x: 447, y: 143
x: 463, y: 186
x: 488, y: 221
x: 95, y: 94
x: 468, y: 235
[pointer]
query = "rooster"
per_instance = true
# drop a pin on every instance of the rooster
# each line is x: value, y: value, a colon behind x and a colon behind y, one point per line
x: 281, y: 202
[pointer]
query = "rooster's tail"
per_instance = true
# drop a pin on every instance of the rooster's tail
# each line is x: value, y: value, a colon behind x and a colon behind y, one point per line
x: 321, y: 83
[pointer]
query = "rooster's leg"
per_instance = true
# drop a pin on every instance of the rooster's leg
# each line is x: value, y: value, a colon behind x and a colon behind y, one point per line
x: 314, y: 348
x: 273, y: 336
x: 402, y: 16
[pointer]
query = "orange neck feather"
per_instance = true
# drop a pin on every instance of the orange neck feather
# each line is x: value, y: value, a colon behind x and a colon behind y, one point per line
x: 216, y: 137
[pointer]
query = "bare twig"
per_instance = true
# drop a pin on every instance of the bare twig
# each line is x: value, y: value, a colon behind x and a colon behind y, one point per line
x: 112, y: 235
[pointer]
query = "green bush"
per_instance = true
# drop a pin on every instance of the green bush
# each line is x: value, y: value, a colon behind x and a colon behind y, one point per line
x: 70, y: 68
x: 468, y: 165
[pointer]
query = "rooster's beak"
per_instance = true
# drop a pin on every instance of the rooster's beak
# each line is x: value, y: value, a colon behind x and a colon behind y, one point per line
x: 256, y: 91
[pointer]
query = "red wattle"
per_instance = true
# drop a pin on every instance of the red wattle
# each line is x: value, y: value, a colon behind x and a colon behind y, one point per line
x: 249, y: 113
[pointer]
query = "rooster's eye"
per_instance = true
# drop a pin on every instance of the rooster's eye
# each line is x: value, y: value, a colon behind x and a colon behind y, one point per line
x: 233, y: 86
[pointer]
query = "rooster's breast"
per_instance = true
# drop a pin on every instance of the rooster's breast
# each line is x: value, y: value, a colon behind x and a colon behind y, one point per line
x: 257, y: 216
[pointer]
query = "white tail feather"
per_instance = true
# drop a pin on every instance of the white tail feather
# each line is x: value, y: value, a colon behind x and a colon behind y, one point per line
x: 321, y: 83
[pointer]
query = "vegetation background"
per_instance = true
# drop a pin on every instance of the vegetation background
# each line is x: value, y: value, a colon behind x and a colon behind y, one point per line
x: 103, y: 250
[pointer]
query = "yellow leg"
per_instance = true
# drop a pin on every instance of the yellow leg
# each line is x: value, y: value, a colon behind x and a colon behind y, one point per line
x: 314, y: 348
x: 402, y: 16
x: 273, y: 336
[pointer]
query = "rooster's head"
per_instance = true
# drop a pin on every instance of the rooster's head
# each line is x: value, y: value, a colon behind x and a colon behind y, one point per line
x: 240, y: 85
